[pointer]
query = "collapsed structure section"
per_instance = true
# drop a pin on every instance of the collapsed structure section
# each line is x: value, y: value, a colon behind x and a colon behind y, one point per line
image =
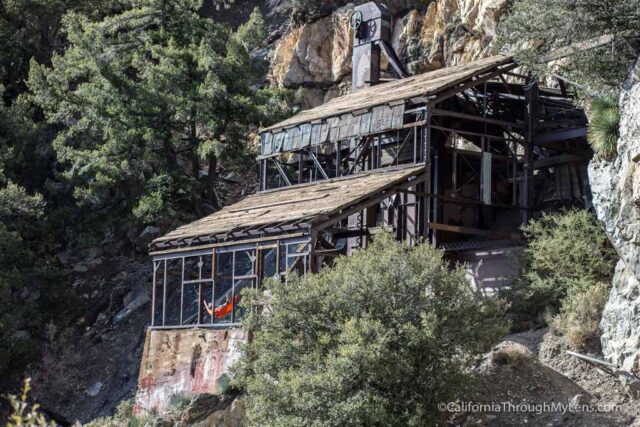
x: 201, y: 268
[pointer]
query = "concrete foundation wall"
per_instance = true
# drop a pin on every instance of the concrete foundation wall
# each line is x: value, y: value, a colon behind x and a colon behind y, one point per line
x: 184, y: 361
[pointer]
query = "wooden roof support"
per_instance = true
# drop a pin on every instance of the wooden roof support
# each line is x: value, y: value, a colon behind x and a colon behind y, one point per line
x: 474, y: 82
x: 374, y: 199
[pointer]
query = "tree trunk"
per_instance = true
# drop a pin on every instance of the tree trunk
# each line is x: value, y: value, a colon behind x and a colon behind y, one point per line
x: 195, y: 163
x: 211, y: 182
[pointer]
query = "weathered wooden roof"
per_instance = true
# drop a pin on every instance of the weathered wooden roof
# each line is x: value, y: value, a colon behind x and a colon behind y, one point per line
x: 395, y: 91
x: 305, y: 202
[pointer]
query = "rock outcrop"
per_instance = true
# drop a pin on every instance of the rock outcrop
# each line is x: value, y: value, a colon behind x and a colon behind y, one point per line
x: 316, y: 56
x: 616, y: 198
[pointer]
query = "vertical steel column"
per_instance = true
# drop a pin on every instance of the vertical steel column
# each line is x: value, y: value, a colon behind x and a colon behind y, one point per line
x: 454, y: 173
x: 531, y: 97
x: 338, y: 147
x: 514, y: 174
x: 182, y: 291
x: 300, y: 167
x: 426, y: 158
x: 233, y: 286
x: 200, y: 290
x: 164, y: 295
x: 415, y: 145
x: 263, y: 174
x: 153, y: 293
x: 435, y: 192
x: 313, y: 264
x: 213, y: 284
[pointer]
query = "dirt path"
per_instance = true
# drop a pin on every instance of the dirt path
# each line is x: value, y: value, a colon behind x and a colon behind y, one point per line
x: 529, y: 379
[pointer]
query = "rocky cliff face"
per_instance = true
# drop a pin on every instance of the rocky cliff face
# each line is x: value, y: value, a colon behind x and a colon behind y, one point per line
x: 616, y: 197
x: 316, y: 56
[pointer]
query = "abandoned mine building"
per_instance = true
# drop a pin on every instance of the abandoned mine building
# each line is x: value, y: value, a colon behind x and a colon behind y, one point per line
x: 459, y: 158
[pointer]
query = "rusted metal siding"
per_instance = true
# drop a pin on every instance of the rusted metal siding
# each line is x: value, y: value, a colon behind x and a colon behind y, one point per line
x: 343, y: 127
x: 184, y: 361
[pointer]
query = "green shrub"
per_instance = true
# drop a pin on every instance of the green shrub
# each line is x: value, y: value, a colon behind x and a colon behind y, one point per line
x: 580, y: 315
x: 378, y: 339
x: 603, y: 126
x: 567, y: 253
x: 179, y: 401
x: 513, y: 355
x: 124, y: 417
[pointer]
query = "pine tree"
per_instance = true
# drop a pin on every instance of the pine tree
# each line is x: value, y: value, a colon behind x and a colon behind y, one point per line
x: 145, y: 97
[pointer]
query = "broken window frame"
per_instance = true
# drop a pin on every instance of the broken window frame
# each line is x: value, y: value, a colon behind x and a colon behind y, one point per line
x: 161, y: 305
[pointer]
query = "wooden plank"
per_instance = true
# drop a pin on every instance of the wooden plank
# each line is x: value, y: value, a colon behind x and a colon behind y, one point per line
x: 225, y: 244
x: 264, y: 211
x: 394, y: 91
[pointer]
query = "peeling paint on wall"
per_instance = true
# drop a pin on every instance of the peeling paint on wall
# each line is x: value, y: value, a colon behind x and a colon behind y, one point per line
x: 185, y: 361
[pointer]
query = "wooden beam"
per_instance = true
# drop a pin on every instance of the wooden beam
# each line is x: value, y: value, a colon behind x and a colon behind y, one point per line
x: 557, y: 160
x: 448, y: 113
x: 465, y: 132
x: 468, y: 201
x: 560, y: 135
x: 475, y: 153
x: 414, y: 124
x: 476, y: 231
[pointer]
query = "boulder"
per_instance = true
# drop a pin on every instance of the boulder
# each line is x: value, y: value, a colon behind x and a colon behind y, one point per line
x: 316, y: 53
x: 620, y: 323
x: 149, y: 233
x: 200, y: 406
x: 615, y: 185
x: 138, y: 301
x: 94, y: 389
